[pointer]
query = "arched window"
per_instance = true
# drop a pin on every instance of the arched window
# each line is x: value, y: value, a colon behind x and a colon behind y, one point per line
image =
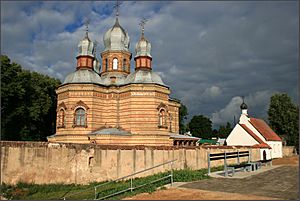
x: 115, y: 64
x: 80, y: 117
x: 162, y: 118
x: 106, y: 64
x: 61, y: 118
x: 124, y: 64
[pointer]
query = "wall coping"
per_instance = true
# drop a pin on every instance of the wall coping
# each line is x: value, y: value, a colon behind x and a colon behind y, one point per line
x: 109, y: 147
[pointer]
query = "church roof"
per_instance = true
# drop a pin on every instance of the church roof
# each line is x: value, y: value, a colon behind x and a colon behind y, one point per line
x: 183, y: 137
x: 144, y: 76
x: 110, y: 131
x: 250, y: 132
x: 83, y: 76
x: 264, y: 129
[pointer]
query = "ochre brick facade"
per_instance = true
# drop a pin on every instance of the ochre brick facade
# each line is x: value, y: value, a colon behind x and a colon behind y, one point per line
x: 134, y: 108
x: 113, y: 106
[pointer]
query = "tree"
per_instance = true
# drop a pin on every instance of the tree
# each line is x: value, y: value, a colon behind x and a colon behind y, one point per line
x: 201, y: 126
x: 28, y: 103
x: 283, y: 116
x: 183, y: 112
x: 224, y: 131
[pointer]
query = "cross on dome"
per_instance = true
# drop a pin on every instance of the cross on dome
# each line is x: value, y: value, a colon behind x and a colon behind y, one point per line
x: 86, y: 23
x: 142, y: 24
x: 116, y: 7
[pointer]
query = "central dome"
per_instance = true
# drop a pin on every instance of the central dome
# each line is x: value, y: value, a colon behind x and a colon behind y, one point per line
x: 116, y: 38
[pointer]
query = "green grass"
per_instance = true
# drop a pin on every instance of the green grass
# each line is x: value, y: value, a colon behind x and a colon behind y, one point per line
x: 79, y: 192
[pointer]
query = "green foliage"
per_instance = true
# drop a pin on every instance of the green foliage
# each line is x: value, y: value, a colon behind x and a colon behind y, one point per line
x: 187, y: 175
x: 28, y: 103
x: 183, y: 112
x: 201, y: 126
x: 224, y: 131
x: 283, y: 117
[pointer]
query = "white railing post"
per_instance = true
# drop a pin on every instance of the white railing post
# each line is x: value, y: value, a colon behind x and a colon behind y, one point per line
x: 95, y: 193
x: 131, y: 184
x: 208, y: 162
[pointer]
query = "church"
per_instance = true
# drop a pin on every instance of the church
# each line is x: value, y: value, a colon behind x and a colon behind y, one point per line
x: 255, y: 133
x: 112, y: 105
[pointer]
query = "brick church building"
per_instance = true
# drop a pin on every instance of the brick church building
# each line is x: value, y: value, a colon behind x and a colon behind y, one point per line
x: 112, y: 105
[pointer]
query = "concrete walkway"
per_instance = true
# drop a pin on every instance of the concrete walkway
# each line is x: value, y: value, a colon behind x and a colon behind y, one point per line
x: 240, y: 174
x: 277, y: 182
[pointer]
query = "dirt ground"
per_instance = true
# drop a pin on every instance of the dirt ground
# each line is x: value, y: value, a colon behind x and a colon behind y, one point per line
x: 180, y: 193
x: 294, y: 160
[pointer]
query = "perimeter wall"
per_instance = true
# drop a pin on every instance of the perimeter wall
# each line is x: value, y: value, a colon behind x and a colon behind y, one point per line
x: 44, y: 162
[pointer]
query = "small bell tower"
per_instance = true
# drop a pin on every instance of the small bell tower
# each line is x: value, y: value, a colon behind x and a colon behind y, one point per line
x: 85, y: 57
x: 143, y: 57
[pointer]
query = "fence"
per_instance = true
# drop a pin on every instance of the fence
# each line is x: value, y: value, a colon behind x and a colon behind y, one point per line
x: 132, y: 187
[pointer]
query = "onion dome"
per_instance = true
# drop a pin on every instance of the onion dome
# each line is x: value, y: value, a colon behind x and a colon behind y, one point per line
x: 96, y: 66
x: 142, y: 76
x: 86, y: 47
x: 143, y: 47
x: 116, y: 38
x: 243, y: 105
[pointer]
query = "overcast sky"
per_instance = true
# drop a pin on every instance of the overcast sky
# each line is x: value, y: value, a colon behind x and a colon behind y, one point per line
x: 209, y: 53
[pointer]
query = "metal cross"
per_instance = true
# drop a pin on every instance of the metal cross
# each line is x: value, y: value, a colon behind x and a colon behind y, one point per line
x: 243, y: 97
x: 86, y: 22
x: 142, y: 24
x: 116, y: 6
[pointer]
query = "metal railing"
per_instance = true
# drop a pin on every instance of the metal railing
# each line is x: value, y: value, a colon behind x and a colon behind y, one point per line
x: 131, y: 188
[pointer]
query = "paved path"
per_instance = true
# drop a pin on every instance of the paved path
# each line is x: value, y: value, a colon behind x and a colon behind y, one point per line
x: 281, y: 182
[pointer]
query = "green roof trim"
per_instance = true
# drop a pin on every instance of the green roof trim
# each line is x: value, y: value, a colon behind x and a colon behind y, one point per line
x: 202, y: 141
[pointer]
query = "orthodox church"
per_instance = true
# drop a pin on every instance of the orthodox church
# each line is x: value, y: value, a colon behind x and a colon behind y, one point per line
x: 112, y: 105
x: 255, y: 133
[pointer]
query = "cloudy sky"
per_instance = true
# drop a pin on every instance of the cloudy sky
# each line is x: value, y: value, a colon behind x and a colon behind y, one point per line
x: 209, y: 53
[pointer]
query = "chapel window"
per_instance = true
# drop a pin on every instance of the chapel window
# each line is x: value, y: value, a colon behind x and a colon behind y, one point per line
x: 80, y: 117
x: 115, y: 64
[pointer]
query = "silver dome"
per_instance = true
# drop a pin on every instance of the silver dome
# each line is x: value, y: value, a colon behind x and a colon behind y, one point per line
x: 83, y: 76
x: 116, y: 38
x: 86, y: 47
x: 144, y: 76
x: 143, y: 47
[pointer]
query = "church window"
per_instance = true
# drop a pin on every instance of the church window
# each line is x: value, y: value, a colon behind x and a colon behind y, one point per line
x: 106, y: 64
x: 124, y: 64
x: 61, y: 118
x: 115, y: 64
x: 162, y: 120
x: 80, y: 117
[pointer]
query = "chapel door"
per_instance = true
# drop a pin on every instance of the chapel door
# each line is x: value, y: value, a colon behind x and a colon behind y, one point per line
x: 264, y: 155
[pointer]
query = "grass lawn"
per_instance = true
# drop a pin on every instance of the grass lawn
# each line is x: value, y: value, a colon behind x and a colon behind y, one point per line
x: 23, y: 191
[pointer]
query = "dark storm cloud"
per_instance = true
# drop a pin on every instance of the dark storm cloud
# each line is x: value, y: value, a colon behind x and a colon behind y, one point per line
x: 209, y: 53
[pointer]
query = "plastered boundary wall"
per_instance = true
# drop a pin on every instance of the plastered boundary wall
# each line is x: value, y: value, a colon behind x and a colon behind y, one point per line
x: 288, y: 151
x: 44, y: 162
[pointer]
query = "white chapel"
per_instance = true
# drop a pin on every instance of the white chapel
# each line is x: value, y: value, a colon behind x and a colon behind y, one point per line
x: 255, y: 133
